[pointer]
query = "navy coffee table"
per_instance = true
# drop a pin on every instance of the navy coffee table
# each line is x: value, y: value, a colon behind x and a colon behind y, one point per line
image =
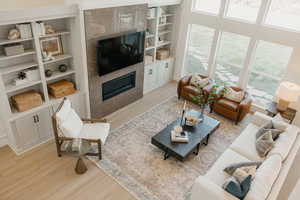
x: 197, y: 135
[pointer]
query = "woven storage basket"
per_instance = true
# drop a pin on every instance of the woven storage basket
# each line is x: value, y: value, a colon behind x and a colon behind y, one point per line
x: 61, y: 88
x: 27, y: 100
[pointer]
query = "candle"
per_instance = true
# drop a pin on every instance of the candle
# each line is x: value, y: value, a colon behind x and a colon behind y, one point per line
x: 184, y: 105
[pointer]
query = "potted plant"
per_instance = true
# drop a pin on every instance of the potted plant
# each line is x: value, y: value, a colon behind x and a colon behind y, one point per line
x: 203, y: 99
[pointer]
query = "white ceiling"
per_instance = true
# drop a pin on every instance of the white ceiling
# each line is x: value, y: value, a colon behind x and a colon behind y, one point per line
x: 20, y: 4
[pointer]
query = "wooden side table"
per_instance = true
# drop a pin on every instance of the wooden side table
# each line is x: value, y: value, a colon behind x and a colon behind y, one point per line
x: 289, y: 114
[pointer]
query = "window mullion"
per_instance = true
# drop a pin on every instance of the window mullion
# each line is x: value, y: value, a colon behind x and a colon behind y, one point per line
x: 263, y: 11
x: 244, y: 75
x: 223, y: 8
x: 213, y: 53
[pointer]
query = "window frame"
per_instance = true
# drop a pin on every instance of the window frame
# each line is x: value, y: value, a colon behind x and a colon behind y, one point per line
x: 251, y: 51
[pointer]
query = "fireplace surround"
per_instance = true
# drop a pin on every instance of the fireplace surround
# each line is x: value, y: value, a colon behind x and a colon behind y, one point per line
x: 105, y: 23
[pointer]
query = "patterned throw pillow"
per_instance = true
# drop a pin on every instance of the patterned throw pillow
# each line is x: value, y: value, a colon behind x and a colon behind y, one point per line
x: 231, y: 168
x: 233, y: 95
x: 197, y: 81
x: 242, y: 173
x: 270, y: 127
x: 264, y: 144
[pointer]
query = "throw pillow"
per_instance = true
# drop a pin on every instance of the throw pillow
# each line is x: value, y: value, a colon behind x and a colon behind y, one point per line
x: 72, y: 125
x: 279, y: 123
x: 198, y: 81
x: 269, y: 127
x: 231, y: 168
x: 264, y: 144
x: 233, y: 95
x: 241, y: 173
x: 239, y: 190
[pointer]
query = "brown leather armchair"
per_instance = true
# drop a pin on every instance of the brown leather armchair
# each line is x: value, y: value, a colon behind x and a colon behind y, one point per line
x: 184, y: 88
x: 231, y: 109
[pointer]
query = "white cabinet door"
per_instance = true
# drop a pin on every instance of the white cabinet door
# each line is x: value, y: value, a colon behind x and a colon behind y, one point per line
x: 27, y: 131
x: 168, y: 70
x: 150, y: 78
x: 160, y: 73
x: 44, y: 125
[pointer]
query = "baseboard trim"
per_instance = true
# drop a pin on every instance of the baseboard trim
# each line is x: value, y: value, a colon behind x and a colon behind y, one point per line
x: 3, y: 141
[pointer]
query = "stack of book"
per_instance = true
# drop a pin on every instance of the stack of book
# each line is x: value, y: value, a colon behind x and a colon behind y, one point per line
x: 179, y: 137
x: 40, y: 28
x: 25, y: 30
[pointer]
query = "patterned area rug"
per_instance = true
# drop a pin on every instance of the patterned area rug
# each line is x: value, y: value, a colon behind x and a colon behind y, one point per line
x: 135, y: 163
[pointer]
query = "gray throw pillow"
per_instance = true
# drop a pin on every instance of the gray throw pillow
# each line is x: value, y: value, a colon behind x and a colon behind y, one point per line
x: 231, y: 168
x: 269, y: 127
x: 264, y: 144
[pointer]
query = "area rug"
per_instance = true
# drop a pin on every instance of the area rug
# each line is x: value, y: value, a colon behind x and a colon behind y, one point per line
x: 136, y: 164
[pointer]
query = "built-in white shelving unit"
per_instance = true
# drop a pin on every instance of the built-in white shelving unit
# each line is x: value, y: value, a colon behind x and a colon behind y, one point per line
x: 23, y: 129
x: 160, y: 34
x: 160, y: 29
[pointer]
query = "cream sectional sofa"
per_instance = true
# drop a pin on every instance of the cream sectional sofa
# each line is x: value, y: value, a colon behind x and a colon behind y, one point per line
x: 269, y: 177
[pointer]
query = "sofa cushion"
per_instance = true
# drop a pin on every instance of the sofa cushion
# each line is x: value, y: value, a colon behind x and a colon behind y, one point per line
x: 260, y: 119
x: 285, y: 142
x: 265, y: 176
x: 245, y: 144
x: 228, y: 104
x: 216, y: 173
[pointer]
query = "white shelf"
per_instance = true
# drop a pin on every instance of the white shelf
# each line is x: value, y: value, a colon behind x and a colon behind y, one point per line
x: 58, y: 74
x: 167, y: 15
x: 164, y: 32
x: 166, y: 24
x: 163, y: 44
x: 150, y: 36
x: 55, y: 34
x: 11, y: 88
x: 149, y: 48
x: 151, y: 18
x: 27, y: 52
x: 6, y: 41
x: 58, y: 58
x: 19, y: 67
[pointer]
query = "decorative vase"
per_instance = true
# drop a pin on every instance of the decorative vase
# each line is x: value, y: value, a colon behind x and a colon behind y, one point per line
x: 48, y: 73
x: 80, y: 166
x: 62, y: 68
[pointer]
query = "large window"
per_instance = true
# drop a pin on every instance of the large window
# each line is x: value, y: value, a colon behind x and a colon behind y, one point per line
x: 284, y: 13
x: 209, y: 6
x: 231, y: 57
x: 199, y: 47
x: 267, y: 70
x: 240, y: 57
x: 244, y: 9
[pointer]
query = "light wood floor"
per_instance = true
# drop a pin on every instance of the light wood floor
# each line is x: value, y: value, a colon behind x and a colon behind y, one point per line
x: 40, y: 174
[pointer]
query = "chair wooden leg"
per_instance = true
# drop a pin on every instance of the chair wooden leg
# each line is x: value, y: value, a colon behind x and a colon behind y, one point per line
x: 99, y: 150
x: 58, y: 146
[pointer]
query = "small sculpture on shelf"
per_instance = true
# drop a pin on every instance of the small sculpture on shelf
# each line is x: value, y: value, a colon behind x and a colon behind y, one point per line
x: 14, y: 34
x: 47, y: 56
x: 62, y: 68
x: 48, y: 73
x: 49, y: 29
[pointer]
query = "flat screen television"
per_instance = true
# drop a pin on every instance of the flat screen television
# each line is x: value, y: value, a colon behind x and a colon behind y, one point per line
x: 119, y: 52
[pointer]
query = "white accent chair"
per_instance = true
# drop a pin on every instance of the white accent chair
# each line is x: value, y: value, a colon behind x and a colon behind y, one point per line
x: 69, y: 126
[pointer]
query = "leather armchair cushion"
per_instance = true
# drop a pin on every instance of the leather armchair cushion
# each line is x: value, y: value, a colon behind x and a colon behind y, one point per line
x: 228, y: 104
x: 191, y: 90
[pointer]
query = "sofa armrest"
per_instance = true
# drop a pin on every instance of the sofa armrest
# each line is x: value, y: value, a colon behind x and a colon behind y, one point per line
x: 259, y: 119
x: 183, y: 82
x: 203, y: 188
